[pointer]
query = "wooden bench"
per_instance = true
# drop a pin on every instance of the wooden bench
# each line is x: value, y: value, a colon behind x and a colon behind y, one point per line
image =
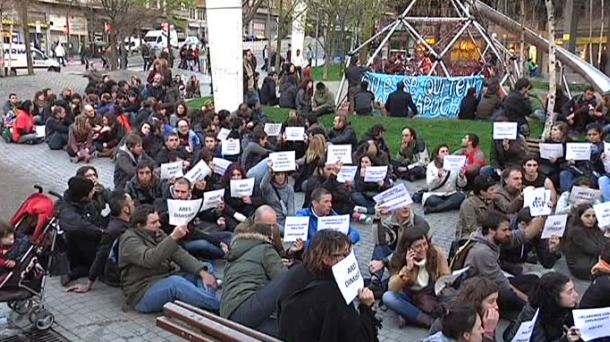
x: 194, y: 324
x: 533, y: 146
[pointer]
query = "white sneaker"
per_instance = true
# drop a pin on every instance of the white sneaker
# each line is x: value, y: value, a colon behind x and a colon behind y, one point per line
x: 360, y: 209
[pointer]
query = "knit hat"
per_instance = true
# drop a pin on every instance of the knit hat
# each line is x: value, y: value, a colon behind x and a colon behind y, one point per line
x: 79, y: 188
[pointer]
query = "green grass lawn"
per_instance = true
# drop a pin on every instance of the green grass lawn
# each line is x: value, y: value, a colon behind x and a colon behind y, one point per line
x: 433, y: 131
x: 335, y: 72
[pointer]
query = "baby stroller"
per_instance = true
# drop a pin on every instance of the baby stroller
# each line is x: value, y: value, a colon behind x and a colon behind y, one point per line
x: 22, y: 288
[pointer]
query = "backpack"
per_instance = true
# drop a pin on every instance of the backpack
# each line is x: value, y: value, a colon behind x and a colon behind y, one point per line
x: 458, y: 253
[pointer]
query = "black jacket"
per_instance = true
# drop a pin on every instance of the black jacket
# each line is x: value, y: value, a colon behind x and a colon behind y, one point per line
x: 54, y: 125
x: 597, y: 294
x: 268, y: 93
x: 100, y: 266
x: 125, y: 166
x: 398, y: 104
x: 468, y: 108
x: 327, y: 317
x: 342, y: 196
x: 344, y: 136
x: 288, y: 98
x: 517, y: 107
x: 142, y: 195
x: 81, y: 217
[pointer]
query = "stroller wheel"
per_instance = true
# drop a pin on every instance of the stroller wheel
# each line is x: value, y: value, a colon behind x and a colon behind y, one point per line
x: 43, y: 320
x: 22, y: 306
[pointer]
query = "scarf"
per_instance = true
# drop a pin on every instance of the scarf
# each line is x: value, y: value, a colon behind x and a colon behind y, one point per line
x: 423, y: 278
x: 601, y: 267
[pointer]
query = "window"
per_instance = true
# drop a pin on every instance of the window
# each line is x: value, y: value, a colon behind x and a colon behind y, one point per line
x: 37, y: 56
x: 201, y: 14
x: 192, y: 13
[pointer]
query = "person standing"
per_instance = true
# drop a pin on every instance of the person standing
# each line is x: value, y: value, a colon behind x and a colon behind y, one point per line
x: 60, y: 54
x: 353, y: 74
x: 146, y: 56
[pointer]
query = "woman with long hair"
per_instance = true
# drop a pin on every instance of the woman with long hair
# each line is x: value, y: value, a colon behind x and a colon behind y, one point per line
x: 583, y: 241
x: 316, y: 151
x: 554, y: 298
x: 80, y: 140
x: 443, y: 185
x: 364, y: 191
x: 460, y: 324
x: 181, y: 112
x: 193, y: 88
x: 551, y: 166
x: 236, y: 210
x: 304, y: 97
x: 107, y: 141
x: 414, y: 267
x: 532, y: 177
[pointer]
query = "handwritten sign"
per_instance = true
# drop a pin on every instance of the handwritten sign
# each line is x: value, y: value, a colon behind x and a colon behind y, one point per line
x: 273, y: 129
x: 525, y: 330
x: 375, y: 174
x: 537, y: 200
x: 581, y: 194
x: 338, y: 223
x: 211, y: 199
x: 593, y: 323
x: 394, y: 198
x: 182, y: 212
x: 171, y: 170
x: 242, y: 187
x: 348, y: 277
x: 41, y: 131
x: 454, y: 163
x: 295, y: 133
x: 283, y: 161
x: 505, y: 130
x: 548, y: 151
x: 554, y: 225
x: 223, y: 134
x: 347, y: 173
x: 296, y: 227
x: 230, y: 147
x: 434, y: 97
x: 198, y: 172
x: 602, y: 212
x: 221, y: 165
x: 339, y: 153
x: 578, y: 151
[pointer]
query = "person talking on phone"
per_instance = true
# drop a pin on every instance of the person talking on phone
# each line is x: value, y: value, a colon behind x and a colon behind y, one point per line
x: 555, y: 297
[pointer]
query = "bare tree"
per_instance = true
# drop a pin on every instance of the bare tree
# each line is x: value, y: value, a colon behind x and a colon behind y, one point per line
x: 250, y: 8
x: 22, y: 8
x: 550, y: 115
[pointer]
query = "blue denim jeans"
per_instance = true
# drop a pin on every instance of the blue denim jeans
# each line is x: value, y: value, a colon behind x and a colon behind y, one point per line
x: 566, y: 180
x: 604, y: 187
x: 402, y: 304
x: 360, y: 200
x: 185, y: 288
x: 258, y: 172
x: 381, y: 252
x: 205, y: 249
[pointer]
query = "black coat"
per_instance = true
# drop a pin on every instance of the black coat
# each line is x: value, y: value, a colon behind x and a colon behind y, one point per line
x: 597, y: 294
x: 468, y: 108
x: 399, y: 103
x: 100, y: 266
x: 288, y: 98
x: 142, y: 195
x: 268, y: 93
x: 80, y: 217
x: 309, y: 311
x: 517, y: 107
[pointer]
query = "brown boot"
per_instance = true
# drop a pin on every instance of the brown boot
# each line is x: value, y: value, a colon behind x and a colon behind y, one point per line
x: 424, y: 320
x: 107, y: 153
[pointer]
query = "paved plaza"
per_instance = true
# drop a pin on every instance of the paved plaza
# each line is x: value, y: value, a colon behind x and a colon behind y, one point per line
x: 97, y: 316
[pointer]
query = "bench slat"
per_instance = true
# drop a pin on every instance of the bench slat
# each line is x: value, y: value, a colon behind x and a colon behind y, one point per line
x: 180, y: 330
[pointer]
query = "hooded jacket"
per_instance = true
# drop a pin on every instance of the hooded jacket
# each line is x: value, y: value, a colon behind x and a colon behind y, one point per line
x: 278, y: 197
x: 252, y: 263
x: 125, y: 166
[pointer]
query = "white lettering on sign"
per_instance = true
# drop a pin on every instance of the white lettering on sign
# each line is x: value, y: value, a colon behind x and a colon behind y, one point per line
x: 348, y: 277
x: 296, y: 227
x: 171, y: 170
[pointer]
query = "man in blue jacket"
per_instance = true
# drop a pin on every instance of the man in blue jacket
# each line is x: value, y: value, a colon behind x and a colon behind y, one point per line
x: 321, y: 205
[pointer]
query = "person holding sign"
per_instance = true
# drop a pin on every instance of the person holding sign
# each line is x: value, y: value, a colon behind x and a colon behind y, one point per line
x: 414, y: 268
x: 583, y: 191
x: 326, y: 176
x: 592, y: 166
x: 342, y: 133
x: 313, y: 289
x: 278, y: 193
x: 504, y: 154
x: 559, y: 137
x: 172, y: 143
x: 460, y: 324
x: 316, y: 151
x: 145, y: 186
x: 413, y: 158
x: 475, y: 157
x: 443, y: 194
x: 236, y: 208
x: 255, y: 151
x: 554, y: 298
x: 583, y: 241
x: 532, y: 177
x: 363, y: 191
x: 597, y: 294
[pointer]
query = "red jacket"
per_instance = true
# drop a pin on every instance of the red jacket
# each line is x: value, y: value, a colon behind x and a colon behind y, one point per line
x: 474, y: 158
x: 23, y: 122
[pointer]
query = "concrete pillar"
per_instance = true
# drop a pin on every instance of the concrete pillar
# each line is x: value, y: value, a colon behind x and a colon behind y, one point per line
x: 571, y: 12
x: 298, y: 27
x: 225, y: 30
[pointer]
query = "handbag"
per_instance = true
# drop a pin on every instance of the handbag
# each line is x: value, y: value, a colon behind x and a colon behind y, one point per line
x: 419, y: 195
x: 427, y: 302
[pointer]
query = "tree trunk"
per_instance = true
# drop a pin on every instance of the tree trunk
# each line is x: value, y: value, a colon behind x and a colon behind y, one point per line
x: 23, y: 17
x: 522, y: 56
x: 601, y: 36
x: 113, y: 48
x: 591, y: 32
x: 550, y: 112
x: 329, y: 40
x: 280, y: 34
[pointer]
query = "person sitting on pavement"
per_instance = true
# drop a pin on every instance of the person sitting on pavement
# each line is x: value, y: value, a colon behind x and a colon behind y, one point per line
x: 483, y: 256
x: 325, y: 176
x: 10, y: 104
x: 101, y: 194
x: 256, y: 150
x: 593, y: 167
x: 477, y: 204
x: 505, y: 154
x: 460, y: 324
x: 80, y: 140
x: 342, y: 132
x: 105, y: 265
x: 412, y: 158
x: 399, y: 102
x: 56, y: 129
x: 583, y: 241
x: 82, y: 226
x: 321, y: 205
x: 145, y: 186
x: 313, y: 290
x: 567, y: 203
x: 127, y: 159
x: 146, y: 260
x: 415, y: 266
x: 323, y: 101
x: 443, y: 185
x: 363, y: 191
x: 509, y: 198
x: 475, y: 157
x: 553, y: 300
x: 24, y: 131
x: 597, y: 294
x: 237, y: 209
x: 254, y: 257
x: 172, y: 143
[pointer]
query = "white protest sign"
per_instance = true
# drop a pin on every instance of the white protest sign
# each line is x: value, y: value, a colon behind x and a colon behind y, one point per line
x: 375, y: 174
x: 348, y: 277
x: 221, y: 165
x: 41, y: 131
x: 273, y: 129
x: 338, y: 223
x: 230, y: 147
x: 242, y: 187
x: 583, y: 194
x: 198, y: 172
x: 171, y: 170
x: 223, y: 134
x: 537, y: 200
x: 525, y: 330
x: 607, y: 166
x: 602, y: 212
x: 182, y: 212
x: 554, y: 225
x: 295, y: 133
x: 211, y: 199
x: 283, y: 161
x: 505, y: 130
x: 347, y: 173
x: 339, y: 153
x: 394, y: 198
x: 454, y: 163
x: 578, y: 151
x: 296, y: 227
x: 593, y: 323
x: 548, y: 151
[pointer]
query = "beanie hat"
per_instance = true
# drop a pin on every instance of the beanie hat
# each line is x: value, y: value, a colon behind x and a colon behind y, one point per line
x: 79, y: 188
